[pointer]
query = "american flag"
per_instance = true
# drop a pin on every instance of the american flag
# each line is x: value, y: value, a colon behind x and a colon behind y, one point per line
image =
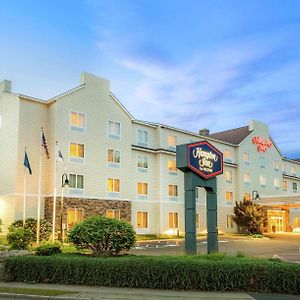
x: 44, y: 144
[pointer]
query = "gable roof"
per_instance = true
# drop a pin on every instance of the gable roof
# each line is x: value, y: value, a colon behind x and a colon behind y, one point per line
x: 233, y: 136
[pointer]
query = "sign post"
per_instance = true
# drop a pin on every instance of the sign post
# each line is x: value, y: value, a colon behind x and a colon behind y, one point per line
x: 201, y: 162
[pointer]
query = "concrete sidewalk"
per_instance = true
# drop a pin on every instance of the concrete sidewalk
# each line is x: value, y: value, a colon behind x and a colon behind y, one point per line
x: 88, y: 293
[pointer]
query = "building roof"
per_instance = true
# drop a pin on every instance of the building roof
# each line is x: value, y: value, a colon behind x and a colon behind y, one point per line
x: 233, y: 136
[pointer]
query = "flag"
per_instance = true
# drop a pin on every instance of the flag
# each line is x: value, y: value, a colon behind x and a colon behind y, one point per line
x: 27, y: 163
x: 59, y: 156
x: 44, y: 144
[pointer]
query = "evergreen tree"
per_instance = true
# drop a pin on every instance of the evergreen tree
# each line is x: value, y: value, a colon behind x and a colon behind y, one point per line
x: 249, y: 216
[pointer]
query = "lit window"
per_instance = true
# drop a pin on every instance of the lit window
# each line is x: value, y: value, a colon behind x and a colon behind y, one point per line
x: 142, y: 219
x: 173, y: 220
x: 76, y: 152
x: 142, y: 138
x: 172, y: 142
x: 262, y: 161
x: 76, y: 181
x: 262, y: 180
x: 247, y: 178
x: 142, y: 188
x: 113, y: 157
x: 172, y: 166
x: 229, y: 197
x: 295, y: 186
x: 228, y: 176
x: 75, y: 215
x: 229, y: 221
x: 142, y: 163
x: 227, y: 155
x: 276, y: 183
x: 77, y: 121
x: 284, y: 185
x: 114, y: 130
x: 247, y: 196
x: 276, y: 164
x: 294, y: 171
x: 246, y: 157
x: 173, y: 190
x: 112, y: 214
x: 113, y: 185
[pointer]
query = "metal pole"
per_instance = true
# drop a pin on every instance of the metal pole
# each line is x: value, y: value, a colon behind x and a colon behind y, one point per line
x: 61, y: 213
x: 24, y: 197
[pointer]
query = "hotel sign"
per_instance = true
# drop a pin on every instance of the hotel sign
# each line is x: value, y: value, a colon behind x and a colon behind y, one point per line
x: 205, y: 160
x: 262, y: 145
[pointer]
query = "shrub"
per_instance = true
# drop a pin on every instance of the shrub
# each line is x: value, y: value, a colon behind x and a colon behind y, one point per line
x: 19, y: 238
x: 31, y: 223
x: 48, y: 249
x: 185, y: 272
x: 103, y: 236
x: 1, y: 225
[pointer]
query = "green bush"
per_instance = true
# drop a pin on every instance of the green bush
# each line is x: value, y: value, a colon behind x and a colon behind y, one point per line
x: 104, y: 236
x: 31, y: 223
x: 19, y: 238
x: 160, y: 272
x: 48, y: 249
x: 1, y: 225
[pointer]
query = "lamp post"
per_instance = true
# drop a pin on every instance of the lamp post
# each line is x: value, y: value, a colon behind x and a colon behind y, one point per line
x: 64, y: 182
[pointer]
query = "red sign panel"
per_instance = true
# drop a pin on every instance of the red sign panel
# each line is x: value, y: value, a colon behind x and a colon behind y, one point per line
x: 262, y: 145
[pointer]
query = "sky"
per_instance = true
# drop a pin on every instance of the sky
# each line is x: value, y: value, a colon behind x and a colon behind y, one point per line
x: 190, y: 64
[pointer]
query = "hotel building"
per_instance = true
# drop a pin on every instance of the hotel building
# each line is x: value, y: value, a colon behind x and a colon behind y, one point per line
x: 125, y: 168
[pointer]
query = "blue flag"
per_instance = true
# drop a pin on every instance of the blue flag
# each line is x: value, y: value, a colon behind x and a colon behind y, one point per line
x: 27, y: 163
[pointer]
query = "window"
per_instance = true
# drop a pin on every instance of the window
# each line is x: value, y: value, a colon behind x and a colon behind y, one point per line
x: 114, y: 130
x: 246, y: 157
x: 276, y: 183
x: 247, y: 196
x: 262, y: 161
x: 227, y: 155
x: 197, y: 220
x: 142, y: 163
x: 112, y: 214
x: 295, y: 186
x: 142, y: 189
x: 172, y: 142
x: 276, y: 164
x: 284, y: 168
x: 284, y: 185
x: 113, y: 187
x: 113, y: 158
x: 229, y: 197
x: 173, y: 220
x: 76, y: 181
x: 77, y: 122
x: 76, y: 152
x: 247, y: 178
x: 142, y: 219
x: 143, y: 138
x: 228, y: 176
x: 173, y: 190
x: 172, y: 167
x: 294, y: 171
x: 229, y: 221
x: 75, y: 215
x: 262, y: 180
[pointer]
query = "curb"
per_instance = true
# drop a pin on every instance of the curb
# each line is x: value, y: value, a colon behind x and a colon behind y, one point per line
x: 38, y: 297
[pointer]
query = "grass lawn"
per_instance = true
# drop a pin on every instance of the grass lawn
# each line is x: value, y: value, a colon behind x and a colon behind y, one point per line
x: 28, y: 291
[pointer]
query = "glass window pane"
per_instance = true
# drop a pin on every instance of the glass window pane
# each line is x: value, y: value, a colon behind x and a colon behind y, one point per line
x: 71, y: 217
x: 80, y: 150
x: 73, y: 150
x: 116, y: 185
x: 109, y: 213
x: 109, y: 184
x: 80, y: 181
x: 72, y: 181
x: 110, y: 155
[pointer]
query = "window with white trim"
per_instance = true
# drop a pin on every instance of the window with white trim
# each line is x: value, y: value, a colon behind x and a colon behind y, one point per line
x: 276, y: 183
x: 295, y: 187
x: 113, y: 158
x: 142, y: 190
x: 246, y: 157
x: 284, y: 185
x: 113, y: 187
x: 276, y: 164
x: 142, y: 163
x: 262, y: 161
x: 284, y: 168
x: 229, y: 197
x: 262, y: 180
x: 76, y: 152
x: 227, y: 155
x: 172, y: 167
x: 142, y: 138
x: 113, y: 214
x: 75, y: 215
x: 172, y: 142
x: 173, y: 190
x: 76, y: 181
x: 77, y: 121
x: 247, y: 196
x: 247, y: 178
x: 173, y: 220
x: 228, y: 176
x: 114, y: 130
x: 142, y: 219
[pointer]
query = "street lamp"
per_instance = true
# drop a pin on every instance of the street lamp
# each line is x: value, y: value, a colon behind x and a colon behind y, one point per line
x: 255, y: 195
x: 64, y: 182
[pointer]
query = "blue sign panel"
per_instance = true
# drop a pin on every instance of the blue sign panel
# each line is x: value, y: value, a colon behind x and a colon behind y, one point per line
x: 205, y: 160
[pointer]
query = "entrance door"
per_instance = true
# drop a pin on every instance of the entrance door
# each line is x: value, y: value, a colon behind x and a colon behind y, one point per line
x: 276, y: 221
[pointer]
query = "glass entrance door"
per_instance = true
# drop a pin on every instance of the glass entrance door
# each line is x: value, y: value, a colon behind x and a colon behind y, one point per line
x: 276, y: 221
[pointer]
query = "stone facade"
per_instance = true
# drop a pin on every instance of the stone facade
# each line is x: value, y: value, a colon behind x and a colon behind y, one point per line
x: 91, y: 207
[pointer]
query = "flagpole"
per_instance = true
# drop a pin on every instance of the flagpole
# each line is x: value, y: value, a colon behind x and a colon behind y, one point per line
x: 25, y: 194
x: 39, y: 193
x: 54, y: 195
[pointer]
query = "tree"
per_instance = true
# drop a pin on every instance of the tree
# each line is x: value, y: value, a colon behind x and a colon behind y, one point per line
x: 249, y: 216
x: 104, y: 236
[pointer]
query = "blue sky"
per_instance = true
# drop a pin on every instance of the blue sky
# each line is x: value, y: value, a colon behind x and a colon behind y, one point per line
x: 189, y: 64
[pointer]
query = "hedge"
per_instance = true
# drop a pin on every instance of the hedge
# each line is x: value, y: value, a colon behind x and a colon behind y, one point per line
x: 163, y: 272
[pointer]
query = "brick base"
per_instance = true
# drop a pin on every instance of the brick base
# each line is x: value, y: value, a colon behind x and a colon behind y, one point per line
x: 91, y: 207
